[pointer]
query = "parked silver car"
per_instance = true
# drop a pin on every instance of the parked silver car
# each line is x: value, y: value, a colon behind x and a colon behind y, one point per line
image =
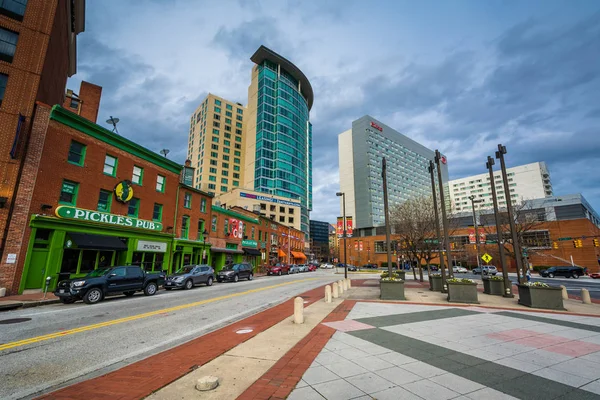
x: 294, y: 269
x: 190, y: 275
x: 303, y: 267
x: 485, y: 270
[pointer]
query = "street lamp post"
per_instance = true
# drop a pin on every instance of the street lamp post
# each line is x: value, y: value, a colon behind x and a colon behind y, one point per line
x: 437, y: 222
x: 388, y: 233
x: 344, y: 222
x: 473, y: 201
x: 438, y: 159
x: 204, y: 254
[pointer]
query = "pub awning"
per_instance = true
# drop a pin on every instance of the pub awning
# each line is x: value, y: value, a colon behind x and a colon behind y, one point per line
x: 251, y: 252
x: 97, y: 242
x: 281, y: 253
x: 298, y: 255
x: 224, y: 250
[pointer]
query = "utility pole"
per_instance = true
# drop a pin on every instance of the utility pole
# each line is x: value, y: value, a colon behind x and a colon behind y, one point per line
x: 388, y: 232
x: 515, y: 237
x: 507, y: 283
x: 344, y: 222
x: 437, y: 222
x: 438, y: 158
x: 472, y: 198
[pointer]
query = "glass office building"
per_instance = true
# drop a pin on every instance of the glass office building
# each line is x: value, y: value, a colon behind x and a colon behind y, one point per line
x: 279, y: 133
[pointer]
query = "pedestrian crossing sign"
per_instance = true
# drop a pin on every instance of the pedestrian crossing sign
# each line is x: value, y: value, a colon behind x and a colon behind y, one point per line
x: 486, y: 257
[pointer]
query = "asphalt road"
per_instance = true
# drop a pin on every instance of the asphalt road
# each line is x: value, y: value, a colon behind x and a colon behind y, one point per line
x: 75, y: 348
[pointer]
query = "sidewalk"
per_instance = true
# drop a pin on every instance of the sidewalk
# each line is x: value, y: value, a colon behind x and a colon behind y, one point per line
x: 27, y: 300
x: 359, y: 347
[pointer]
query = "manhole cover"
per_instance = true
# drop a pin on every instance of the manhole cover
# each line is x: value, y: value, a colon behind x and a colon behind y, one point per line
x: 14, y: 321
x: 241, y: 331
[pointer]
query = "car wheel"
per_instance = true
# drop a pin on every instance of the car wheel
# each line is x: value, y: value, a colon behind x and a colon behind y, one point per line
x: 188, y: 284
x: 575, y: 276
x: 67, y: 300
x: 129, y: 294
x: 236, y: 278
x: 288, y: 272
x: 279, y: 273
x: 209, y: 282
x: 550, y: 275
x: 150, y: 289
x: 250, y: 277
x: 93, y: 296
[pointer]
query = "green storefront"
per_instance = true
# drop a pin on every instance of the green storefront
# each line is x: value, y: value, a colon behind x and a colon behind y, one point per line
x: 79, y: 241
x: 190, y: 252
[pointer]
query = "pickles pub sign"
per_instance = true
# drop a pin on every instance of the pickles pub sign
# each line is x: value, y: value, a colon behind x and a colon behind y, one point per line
x: 81, y: 214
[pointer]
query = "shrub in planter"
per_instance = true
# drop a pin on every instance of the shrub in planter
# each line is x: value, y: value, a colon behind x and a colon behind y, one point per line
x: 391, y: 288
x: 435, y: 282
x: 541, y: 295
x: 385, y: 265
x: 462, y: 291
x: 493, y: 285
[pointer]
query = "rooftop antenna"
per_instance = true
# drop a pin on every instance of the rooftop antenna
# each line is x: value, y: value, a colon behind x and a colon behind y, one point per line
x: 164, y: 152
x: 113, y: 122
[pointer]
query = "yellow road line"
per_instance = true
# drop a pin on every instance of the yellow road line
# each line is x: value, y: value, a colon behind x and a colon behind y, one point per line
x: 49, y: 336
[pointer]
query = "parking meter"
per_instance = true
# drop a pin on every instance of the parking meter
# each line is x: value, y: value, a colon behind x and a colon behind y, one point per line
x: 48, y: 279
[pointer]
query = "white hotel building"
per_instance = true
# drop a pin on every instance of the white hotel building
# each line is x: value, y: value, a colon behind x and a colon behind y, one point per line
x: 526, y: 182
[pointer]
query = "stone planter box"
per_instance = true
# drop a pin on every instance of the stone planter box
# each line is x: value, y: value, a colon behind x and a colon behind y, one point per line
x: 392, y: 290
x: 401, y: 274
x: 493, y: 287
x: 541, y: 297
x: 435, y: 283
x: 462, y: 293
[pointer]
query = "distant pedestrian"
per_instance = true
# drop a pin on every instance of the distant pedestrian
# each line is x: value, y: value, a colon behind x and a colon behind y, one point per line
x: 528, y: 275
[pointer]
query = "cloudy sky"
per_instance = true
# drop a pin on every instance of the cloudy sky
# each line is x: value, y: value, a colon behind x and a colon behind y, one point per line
x: 459, y: 76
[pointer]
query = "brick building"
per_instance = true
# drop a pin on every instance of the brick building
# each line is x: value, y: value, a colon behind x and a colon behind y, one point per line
x: 37, y: 55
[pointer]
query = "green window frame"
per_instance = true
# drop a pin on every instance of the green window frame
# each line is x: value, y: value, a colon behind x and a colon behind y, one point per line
x: 110, y: 165
x: 225, y: 157
x: 224, y: 189
x: 215, y: 131
x: 238, y: 124
x: 224, y: 180
x: 212, y: 170
x: 213, y: 223
x: 203, y: 205
x: 237, y: 153
x: 76, y: 153
x: 226, y: 142
x: 236, y: 183
x: 236, y: 160
x: 104, y: 201
x: 252, y: 233
x: 217, y: 109
x: 218, y: 102
x: 133, y: 208
x: 201, y: 224
x: 187, y: 200
x: 238, y: 139
x: 212, y: 178
x: 68, y: 193
x: 185, y: 226
x: 157, y: 212
x: 160, y: 183
x: 226, y: 150
x: 229, y: 106
x: 137, y: 175
x: 236, y: 167
x: 215, y: 139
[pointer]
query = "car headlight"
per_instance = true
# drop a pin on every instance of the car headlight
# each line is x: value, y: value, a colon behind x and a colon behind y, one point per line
x: 77, y: 283
x: 178, y: 278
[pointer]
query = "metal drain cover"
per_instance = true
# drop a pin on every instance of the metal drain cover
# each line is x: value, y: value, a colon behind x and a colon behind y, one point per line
x: 242, y: 331
x: 14, y: 321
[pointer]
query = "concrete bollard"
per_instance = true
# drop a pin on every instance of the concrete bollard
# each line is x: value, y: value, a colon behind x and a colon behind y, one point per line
x: 585, y: 296
x: 299, y: 310
x: 327, y: 294
x: 335, y: 290
x: 349, y: 283
x: 340, y: 287
x: 565, y: 294
x: 207, y: 383
x: 345, y: 284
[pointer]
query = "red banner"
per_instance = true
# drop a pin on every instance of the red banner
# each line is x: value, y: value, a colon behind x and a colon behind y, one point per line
x: 340, y: 227
x: 360, y: 246
x: 355, y: 246
x: 349, y: 226
x: 482, y: 237
x: 471, y: 236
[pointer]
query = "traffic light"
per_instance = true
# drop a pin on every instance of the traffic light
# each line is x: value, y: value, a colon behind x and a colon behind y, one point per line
x: 596, y: 243
x: 575, y: 243
x: 555, y: 245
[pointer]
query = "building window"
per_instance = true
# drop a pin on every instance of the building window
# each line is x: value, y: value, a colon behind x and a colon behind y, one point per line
x: 226, y: 150
x: 217, y: 102
x: 238, y: 124
x: 14, y: 9
x: 68, y: 193
x: 224, y: 180
x: 226, y: 142
x: 237, y: 153
x: 160, y: 183
x: 104, y: 201
x: 203, y: 205
x: 3, y: 81
x: 157, y: 212
x: 212, y: 178
x: 110, y: 165
x: 238, y: 139
x: 238, y: 131
x: 238, y: 146
x: 236, y: 160
x: 214, y: 146
x: 291, y: 220
x: 214, y: 154
x: 225, y: 158
x: 281, y: 218
x: 212, y: 186
x: 215, y: 131
x: 228, y: 121
x: 187, y: 200
x: 200, y: 230
x: 213, y: 162
x: 185, y: 226
x: 236, y: 183
x: 76, y: 153
x: 225, y: 165
x: 213, y: 223
x: 133, y: 208
x: 281, y: 209
x: 138, y: 175
x: 239, y: 118
x: 216, y: 124
x: 228, y: 106
x: 226, y: 227
x: 263, y: 206
x: 224, y: 189
x: 239, y: 111
x: 236, y: 176
x: 225, y: 173
x: 8, y: 44
x: 217, y: 109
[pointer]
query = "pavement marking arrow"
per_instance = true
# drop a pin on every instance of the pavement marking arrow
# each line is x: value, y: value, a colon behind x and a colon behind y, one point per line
x: 49, y: 336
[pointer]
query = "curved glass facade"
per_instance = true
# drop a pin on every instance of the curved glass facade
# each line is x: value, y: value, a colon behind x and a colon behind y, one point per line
x: 283, y: 163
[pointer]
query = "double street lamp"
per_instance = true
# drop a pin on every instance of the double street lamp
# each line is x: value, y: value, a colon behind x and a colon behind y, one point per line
x: 473, y: 201
x: 344, y: 222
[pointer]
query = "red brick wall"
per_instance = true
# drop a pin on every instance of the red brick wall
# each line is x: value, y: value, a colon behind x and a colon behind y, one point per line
x: 194, y: 213
x: 89, y: 94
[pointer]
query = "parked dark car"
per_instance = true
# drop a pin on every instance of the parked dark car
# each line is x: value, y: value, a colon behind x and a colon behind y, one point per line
x: 190, y: 275
x: 352, y: 268
x: 102, y: 282
x: 235, y: 272
x: 369, y: 266
x: 569, y: 272
x: 278, y: 269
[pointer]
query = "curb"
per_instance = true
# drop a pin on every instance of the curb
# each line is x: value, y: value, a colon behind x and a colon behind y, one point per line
x: 27, y: 304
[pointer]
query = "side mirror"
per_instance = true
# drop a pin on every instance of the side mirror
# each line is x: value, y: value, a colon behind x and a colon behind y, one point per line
x: 111, y: 275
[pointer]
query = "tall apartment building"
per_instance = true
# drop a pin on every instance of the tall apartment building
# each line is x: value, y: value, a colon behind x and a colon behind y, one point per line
x: 216, y: 145
x: 361, y: 150
x: 38, y: 53
x: 279, y: 133
x: 319, y: 236
x: 526, y: 182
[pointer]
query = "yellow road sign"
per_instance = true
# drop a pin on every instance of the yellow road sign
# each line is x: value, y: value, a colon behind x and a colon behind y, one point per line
x: 486, y: 257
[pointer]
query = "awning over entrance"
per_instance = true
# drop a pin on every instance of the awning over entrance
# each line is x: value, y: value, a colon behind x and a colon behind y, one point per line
x: 97, y: 242
x: 298, y: 255
x: 224, y: 250
x: 251, y: 252
x: 281, y: 253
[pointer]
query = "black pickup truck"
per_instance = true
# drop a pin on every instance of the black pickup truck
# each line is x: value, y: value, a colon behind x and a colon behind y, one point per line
x: 109, y: 281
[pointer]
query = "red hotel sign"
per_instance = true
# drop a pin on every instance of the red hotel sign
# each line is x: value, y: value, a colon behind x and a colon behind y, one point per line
x: 374, y: 125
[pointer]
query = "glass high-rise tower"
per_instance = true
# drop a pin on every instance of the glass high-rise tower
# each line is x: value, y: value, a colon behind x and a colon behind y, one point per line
x: 278, y: 148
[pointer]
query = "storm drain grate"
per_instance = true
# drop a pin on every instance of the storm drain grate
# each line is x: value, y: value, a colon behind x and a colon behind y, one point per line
x: 14, y: 321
